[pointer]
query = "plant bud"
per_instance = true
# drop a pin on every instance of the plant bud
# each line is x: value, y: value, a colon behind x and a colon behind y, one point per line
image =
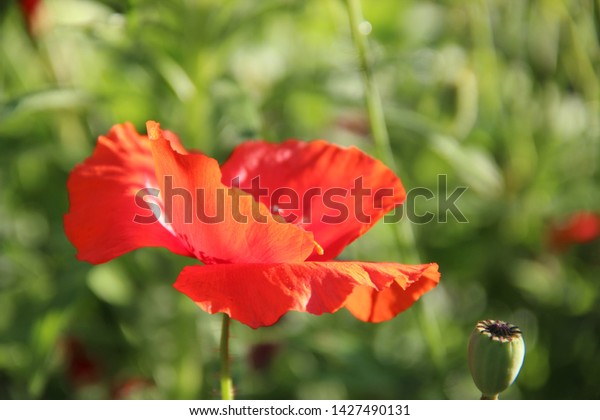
x: 496, y: 352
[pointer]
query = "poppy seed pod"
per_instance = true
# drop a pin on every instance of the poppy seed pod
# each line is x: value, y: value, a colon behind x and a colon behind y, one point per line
x: 496, y: 352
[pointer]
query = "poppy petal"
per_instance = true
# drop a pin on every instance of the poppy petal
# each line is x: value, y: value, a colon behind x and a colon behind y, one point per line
x: 220, y: 224
x: 371, y: 305
x: 335, y: 192
x: 259, y: 294
x: 108, y: 215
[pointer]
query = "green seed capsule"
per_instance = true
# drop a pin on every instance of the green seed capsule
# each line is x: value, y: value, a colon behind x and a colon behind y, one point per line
x: 496, y: 352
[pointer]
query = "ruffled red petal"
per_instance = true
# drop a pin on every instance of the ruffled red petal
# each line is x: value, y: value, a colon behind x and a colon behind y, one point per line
x: 259, y: 294
x: 220, y: 224
x: 337, y: 193
x: 103, y: 205
x: 371, y: 305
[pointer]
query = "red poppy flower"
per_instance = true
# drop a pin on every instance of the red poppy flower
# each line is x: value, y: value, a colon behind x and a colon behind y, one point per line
x: 581, y: 227
x: 267, y: 224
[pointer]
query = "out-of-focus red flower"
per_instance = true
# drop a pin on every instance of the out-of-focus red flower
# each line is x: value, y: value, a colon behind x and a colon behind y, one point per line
x: 261, y: 355
x: 267, y: 224
x: 581, y: 227
x: 354, y: 122
x: 32, y: 11
x: 132, y: 388
x: 81, y: 368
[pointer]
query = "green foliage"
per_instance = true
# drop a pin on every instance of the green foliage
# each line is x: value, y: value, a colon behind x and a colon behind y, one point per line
x: 502, y: 97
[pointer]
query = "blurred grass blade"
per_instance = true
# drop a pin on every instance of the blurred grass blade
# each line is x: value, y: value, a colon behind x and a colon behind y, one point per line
x: 474, y: 166
x: 45, y: 101
x: 177, y: 78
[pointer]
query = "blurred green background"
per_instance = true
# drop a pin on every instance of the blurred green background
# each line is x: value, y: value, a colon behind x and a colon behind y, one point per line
x: 501, y: 96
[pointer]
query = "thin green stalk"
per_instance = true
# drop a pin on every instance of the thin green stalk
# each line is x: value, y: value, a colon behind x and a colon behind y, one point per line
x: 373, y: 100
x: 226, y: 382
x: 403, y: 233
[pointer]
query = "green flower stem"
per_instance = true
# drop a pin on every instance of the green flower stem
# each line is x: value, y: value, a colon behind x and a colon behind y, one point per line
x: 226, y: 382
x: 489, y: 397
x: 374, y: 106
x: 403, y: 232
